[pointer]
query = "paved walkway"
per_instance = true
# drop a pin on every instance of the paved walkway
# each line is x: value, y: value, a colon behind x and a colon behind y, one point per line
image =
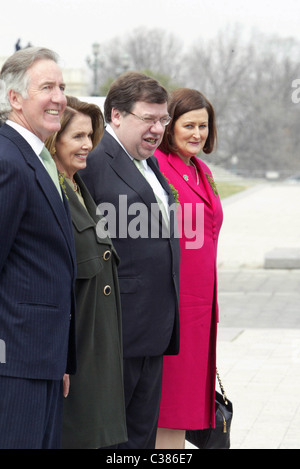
x: 256, y: 221
x: 259, y: 331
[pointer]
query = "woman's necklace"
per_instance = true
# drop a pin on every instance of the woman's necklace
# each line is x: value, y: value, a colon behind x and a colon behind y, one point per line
x: 75, y: 186
x: 62, y: 177
x: 197, y: 175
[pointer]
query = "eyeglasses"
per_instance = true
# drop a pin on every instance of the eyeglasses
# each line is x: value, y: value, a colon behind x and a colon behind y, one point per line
x: 164, y: 121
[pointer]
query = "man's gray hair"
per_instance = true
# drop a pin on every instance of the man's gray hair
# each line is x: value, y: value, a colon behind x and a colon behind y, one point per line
x: 14, y: 76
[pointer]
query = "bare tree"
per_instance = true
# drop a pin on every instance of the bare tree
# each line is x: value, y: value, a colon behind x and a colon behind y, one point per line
x: 248, y: 80
x: 153, y: 50
x: 249, y: 86
x: 157, y: 50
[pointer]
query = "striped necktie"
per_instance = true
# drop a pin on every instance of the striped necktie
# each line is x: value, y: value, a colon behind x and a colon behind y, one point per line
x: 51, y: 168
x: 139, y: 165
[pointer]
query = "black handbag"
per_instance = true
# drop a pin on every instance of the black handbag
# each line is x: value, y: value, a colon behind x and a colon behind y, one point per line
x: 218, y: 437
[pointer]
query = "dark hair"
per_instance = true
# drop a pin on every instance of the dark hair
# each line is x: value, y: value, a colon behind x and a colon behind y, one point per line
x: 185, y: 100
x: 131, y: 87
x: 74, y: 106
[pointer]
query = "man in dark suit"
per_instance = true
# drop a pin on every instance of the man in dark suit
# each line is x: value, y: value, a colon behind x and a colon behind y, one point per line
x: 37, y: 257
x: 135, y: 200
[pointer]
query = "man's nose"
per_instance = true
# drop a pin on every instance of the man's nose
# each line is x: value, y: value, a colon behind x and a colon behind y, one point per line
x: 159, y: 126
x: 59, y: 96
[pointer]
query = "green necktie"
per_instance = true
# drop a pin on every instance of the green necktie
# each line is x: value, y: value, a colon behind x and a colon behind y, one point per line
x: 139, y: 165
x: 51, y: 168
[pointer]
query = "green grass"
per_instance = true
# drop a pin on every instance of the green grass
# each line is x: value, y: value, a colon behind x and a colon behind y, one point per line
x: 225, y: 189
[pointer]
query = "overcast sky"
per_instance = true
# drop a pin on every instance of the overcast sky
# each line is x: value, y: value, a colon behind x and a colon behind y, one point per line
x: 71, y: 26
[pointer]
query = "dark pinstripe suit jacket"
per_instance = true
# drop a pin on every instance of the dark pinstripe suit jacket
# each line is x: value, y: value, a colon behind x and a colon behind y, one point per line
x: 149, y: 267
x: 37, y: 267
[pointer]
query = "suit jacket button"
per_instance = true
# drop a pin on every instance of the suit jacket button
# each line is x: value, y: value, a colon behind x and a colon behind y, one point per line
x: 107, y: 290
x: 106, y: 255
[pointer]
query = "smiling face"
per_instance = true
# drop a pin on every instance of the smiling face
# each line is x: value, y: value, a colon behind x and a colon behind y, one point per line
x: 74, y: 145
x: 190, y: 133
x: 40, y: 111
x: 139, y: 138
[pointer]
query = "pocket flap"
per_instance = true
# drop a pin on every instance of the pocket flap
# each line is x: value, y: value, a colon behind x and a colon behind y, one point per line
x: 89, y: 268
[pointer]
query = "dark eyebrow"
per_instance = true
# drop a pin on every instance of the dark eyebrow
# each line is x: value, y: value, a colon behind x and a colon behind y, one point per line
x: 194, y: 123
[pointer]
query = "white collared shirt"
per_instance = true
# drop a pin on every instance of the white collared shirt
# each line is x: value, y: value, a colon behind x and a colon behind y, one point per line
x: 149, y: 174
x: 36, y: 144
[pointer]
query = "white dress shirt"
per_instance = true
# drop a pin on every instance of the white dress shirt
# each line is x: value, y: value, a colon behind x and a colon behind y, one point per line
x: 149, y: 174
x: 36, y: 144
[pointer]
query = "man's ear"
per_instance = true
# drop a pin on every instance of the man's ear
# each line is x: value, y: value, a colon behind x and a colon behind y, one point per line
x: 116, y: 117
x: 15, y: 100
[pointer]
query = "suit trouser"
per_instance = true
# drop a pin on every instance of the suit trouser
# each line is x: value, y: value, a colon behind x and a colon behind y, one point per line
x: 30, y: 413
x: 142, y: 386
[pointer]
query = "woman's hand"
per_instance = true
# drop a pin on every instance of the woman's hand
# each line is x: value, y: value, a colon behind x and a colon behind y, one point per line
x: 66, y: 383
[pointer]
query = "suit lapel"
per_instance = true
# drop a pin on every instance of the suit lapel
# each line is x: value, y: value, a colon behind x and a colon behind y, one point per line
x: 164, y: 183
x: 126, y: 170
x: 152, y: 162
x: 204, y: 176
x: 60, y: 209
x: 181, y: 168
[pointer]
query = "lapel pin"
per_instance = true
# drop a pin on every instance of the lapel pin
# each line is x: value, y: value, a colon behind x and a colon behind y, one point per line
x: 185, y: 177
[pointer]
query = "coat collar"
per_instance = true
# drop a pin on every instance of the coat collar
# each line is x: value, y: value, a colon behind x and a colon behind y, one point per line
x: 204, y: 191
x: 84, y: 218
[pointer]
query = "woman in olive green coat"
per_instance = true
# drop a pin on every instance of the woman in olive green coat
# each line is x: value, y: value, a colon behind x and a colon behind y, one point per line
x: 94, y: 410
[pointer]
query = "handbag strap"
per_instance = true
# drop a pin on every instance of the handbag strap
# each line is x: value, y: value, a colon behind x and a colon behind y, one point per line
x: 222, y: 388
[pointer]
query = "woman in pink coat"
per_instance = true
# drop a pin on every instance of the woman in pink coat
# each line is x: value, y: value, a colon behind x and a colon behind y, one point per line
x: 188, y: 390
